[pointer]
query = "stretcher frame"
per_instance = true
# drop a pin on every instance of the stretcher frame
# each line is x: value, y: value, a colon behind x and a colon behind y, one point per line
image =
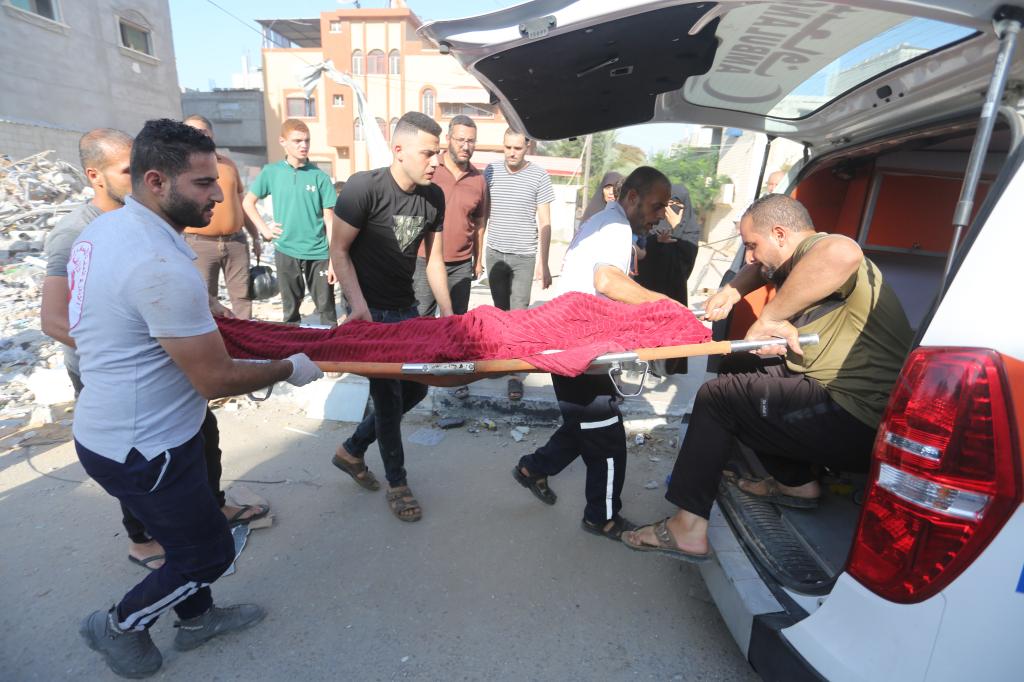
x: 450, y: 374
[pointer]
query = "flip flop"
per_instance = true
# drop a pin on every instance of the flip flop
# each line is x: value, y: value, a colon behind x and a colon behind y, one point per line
x: 666, y: 546
x: 145, y: 563
x: 620, y: 525
x: 237, y: 519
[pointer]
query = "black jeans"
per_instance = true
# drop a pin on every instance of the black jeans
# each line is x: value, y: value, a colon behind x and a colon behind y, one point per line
x: 171, y: 496
x: 460, y: 279
x: 788, y: 419
x: 294, y: 276
x: 211, y: 456
x: 392, y: 398
x: 592, y: 429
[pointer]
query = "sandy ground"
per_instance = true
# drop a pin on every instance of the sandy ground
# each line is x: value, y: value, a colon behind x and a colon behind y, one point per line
x: 490, y: 585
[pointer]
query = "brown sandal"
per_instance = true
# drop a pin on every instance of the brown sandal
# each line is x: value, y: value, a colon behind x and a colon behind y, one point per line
x: 356, y: 471
x: 667, y: 545
x: 401, y: 500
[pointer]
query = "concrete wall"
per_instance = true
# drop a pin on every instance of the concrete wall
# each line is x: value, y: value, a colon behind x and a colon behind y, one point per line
x: 237, y: 116
x: 72, y: 75
x: 18, y: 141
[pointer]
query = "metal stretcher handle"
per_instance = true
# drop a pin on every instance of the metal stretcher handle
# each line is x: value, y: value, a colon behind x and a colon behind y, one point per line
x: 663, y: 353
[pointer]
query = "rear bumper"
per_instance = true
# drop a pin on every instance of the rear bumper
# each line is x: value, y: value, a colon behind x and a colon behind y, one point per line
x: 754, y: 612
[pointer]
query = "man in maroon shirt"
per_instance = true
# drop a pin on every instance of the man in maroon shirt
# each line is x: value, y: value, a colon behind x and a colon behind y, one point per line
x: 466, y: 208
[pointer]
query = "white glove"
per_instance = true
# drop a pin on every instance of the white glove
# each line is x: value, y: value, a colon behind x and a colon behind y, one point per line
x: 304, y: 370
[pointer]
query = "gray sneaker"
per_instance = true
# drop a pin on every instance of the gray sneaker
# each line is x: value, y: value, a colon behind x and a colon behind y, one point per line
x: 217, y: 621
x: 129, y: 654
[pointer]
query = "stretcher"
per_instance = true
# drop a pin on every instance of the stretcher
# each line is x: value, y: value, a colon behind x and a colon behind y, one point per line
x: 460, y: 373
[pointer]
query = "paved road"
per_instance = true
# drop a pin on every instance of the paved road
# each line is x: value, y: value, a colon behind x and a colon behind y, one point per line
x: 491, y: 585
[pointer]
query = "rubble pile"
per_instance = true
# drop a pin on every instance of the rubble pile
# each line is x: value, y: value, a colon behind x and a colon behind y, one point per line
x: 35, y: 193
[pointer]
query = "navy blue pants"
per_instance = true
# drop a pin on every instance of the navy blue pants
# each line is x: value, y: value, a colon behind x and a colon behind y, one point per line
x: 592, y: 429
x: 170, y: 494
x: 392, y: 398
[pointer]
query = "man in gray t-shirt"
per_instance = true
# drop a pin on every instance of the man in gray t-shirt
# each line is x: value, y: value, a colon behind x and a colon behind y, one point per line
x: 105, y: 155
x: 57, y: 252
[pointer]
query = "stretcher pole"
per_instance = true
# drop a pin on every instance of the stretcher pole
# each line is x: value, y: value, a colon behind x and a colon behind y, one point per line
x: 453, y: 369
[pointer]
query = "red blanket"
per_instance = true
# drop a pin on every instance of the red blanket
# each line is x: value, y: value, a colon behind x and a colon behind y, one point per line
x: 580, y: 325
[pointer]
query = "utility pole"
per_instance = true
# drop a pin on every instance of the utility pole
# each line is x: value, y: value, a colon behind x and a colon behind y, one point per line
x: 588, y: 142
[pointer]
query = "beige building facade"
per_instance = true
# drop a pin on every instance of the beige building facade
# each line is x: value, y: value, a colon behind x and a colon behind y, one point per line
x: 397, y: 71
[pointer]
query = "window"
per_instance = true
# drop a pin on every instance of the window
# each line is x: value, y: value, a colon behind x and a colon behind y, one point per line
x: 358, y: 132
x: 357, y: 63
x: 394, y: 63
x: 44, y: 8
x: 325, y: 166
x: 343, y: 152
x: 450, y: 110
x: 335, y: 26
x: 229, y: 111
x: 135, y: 37
x: 338, y: 100
x: 427, y: 102
x: 394, y: 124
x: 375, y: 63
x: 383, y: 125
x: 300, y: 107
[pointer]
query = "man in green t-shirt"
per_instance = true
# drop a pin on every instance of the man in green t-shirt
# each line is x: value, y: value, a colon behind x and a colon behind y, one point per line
x: 819, y: 407
x: 303, y: 198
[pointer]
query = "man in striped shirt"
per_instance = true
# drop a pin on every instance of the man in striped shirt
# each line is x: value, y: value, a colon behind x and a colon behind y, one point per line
x: 520, y: 220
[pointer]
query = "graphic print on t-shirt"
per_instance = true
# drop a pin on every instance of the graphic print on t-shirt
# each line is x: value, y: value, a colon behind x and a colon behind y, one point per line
x: 78, y: 272
x: 407, y: 228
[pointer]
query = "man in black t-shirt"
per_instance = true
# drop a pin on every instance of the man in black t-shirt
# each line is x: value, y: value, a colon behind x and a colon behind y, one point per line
x: 380, y: 219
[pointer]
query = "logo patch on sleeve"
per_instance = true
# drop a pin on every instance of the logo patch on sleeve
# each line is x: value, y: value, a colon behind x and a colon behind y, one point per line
x: 78, y: 272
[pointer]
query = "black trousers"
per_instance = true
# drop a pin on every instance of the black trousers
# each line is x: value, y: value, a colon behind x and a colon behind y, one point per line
x: 295, y: 276
x: 171, y: 495
x: 592, y: 429
x: 211, y: 456
x: 788, y: 419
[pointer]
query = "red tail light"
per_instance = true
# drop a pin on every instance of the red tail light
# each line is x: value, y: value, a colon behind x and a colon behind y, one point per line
x: 945, y: 476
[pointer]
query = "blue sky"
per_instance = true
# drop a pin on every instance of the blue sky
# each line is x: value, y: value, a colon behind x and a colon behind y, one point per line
x: 209, y: 42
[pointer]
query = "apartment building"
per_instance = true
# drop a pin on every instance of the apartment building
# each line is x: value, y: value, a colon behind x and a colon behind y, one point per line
x: 70, y: 66
x: 397, y: 71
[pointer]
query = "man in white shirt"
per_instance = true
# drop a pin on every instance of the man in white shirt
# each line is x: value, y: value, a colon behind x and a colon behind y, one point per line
x: 150, y: 357
x: 597, y: 262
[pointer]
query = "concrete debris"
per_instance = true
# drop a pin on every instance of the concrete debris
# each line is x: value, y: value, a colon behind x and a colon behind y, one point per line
x: 519, y: 432
x: 35, y: 192
x: 450, y: 422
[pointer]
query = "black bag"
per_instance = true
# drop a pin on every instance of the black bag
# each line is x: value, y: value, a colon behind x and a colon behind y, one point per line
x: 262, y: 282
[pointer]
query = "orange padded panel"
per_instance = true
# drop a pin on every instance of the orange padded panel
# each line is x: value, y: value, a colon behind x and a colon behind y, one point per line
x: 916, y: 211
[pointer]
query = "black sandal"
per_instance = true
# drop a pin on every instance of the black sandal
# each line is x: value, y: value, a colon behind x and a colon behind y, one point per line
x: 619, y: 526
x: 538, y: 485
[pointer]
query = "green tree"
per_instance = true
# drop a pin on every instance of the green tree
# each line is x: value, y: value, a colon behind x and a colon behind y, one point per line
x: 697, y: 169
x: 606, y: 154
